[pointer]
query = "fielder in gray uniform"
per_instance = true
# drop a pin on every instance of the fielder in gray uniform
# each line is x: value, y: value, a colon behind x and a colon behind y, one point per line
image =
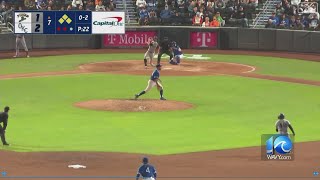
x: 282, y: 125
x: 153, y: 44
x: 21, y: 41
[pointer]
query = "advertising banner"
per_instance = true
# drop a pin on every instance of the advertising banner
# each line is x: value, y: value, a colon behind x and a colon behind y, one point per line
x: 132, y: 39
x: 203, y: 39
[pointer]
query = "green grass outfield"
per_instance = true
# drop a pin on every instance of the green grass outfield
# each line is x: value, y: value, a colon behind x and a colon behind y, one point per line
x: 229, y: 112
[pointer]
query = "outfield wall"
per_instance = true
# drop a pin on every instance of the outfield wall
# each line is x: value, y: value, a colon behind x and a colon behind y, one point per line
x: 187, y: 37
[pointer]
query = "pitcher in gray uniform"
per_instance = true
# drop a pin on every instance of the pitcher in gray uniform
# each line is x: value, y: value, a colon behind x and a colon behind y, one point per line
x: 153, y: 44
x: 282, y: 125
x: 21, y: 41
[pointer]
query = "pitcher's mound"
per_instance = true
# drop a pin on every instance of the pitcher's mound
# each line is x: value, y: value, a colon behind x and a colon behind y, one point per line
x: 140, y: 105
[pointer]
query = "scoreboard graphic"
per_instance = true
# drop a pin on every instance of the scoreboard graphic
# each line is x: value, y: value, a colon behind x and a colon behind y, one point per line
x: 69, y: 22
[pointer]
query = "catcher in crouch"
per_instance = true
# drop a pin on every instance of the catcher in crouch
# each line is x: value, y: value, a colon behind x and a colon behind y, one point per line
x: 153, y: 81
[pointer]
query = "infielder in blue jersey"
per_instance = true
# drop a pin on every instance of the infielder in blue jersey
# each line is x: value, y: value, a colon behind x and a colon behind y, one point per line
x: 147, y: 171
x: 153, y: 81
x: 177, y: 54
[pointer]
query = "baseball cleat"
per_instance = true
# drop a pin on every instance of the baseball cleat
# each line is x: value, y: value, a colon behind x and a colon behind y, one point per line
x: 28, y: 56
x: 136, y: 96
x: 162, y: 98
x: 5, y: 144
x: 146, y: 67
x: 15, y: 56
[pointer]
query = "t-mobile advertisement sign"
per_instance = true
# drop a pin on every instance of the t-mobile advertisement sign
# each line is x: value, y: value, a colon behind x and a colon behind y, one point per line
x: 133, y: 39
x: 203, y: 39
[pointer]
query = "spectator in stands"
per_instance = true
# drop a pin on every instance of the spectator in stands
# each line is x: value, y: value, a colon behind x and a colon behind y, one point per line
x: 153, y: 19
x: 292, y: 22
x: 69, y: 8
x: 201, y: 11
x: 80, y: 8
x: 194, y: 12
x: 240, y: 18
x: 165, y: 15
x: 284, y: 22
x: 77, y: 3
x: 270, y: 24
x: 231, y: 6
x: 298, y: 25
x: 314, y: 22
x: 220, y: 5
x: 141, y: 4
x: 40, y: 4
x: 197, y: 20
x: 206, y: 22
x: 90, y: 6
x: 279, y: 9
x: 112, y: 6
x: 143, y: 16
x: 151, y: 4
x: 181, y: 6
x: 274, y: 18
x: 220, y: 19
x: 49, y: 8
x: 215, y: 22
x: 177, y: 19
x: 191, y: 6
x: 305, y: 21
x: 30, y: 4
x: 100, y: 7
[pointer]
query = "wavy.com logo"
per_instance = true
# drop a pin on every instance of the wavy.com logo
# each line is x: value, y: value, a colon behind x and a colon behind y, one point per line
x: 278, y: 147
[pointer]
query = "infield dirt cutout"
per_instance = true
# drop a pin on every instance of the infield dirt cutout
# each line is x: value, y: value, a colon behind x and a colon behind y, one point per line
x: 140, y: 105
x: 186, y: 68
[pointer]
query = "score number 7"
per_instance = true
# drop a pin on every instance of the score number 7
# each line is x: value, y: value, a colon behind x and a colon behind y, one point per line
x: 49, y: 22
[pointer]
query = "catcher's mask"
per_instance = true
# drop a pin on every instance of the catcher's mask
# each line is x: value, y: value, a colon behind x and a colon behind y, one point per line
x: 6, y: 109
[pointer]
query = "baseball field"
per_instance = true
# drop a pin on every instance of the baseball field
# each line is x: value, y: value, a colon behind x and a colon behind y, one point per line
x: 79, y: 109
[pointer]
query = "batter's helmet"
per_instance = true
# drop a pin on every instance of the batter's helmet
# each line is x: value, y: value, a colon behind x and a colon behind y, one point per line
x: 281, y: 116
x: 158, y: 65
x: 6, y: 109
x: 145, y: 160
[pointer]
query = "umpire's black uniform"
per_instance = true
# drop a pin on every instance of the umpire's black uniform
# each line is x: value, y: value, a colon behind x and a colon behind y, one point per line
x: 4, y: 119
x: 165, y: 48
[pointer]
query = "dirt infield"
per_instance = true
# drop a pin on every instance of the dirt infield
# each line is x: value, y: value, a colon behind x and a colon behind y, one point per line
x: 242, y: 163
x: 129, y: 105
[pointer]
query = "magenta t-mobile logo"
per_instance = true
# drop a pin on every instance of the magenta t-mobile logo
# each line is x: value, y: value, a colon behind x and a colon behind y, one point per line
x: 203, y: 39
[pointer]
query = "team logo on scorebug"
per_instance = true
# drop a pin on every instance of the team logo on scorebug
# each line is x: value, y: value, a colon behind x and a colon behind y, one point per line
x: 22, y: 17
x: 65, y: 18
x: 279, y: 147
x: 110, y: 21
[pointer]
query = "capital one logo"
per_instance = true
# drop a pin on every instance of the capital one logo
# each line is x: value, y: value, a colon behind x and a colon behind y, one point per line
x: 280, y: 144
x: 203, y: 39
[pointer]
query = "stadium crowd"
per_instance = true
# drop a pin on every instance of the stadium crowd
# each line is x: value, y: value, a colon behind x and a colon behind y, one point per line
x: 295, y: 14
x: 8, y: 6
x: 206, y: 13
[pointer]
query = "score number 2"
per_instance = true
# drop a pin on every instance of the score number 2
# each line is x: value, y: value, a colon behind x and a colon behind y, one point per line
x: 86, y: 17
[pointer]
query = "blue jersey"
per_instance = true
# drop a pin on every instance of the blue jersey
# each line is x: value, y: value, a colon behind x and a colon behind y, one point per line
x: 177, y: 51
x: 147, y: 171
x: 155, y: 75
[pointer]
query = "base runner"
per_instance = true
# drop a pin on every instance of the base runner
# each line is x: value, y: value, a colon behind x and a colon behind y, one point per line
x: 147, y: 171
x: 282, y: 126
x: 153, y: 45
x: 20, y: 40
x: 153, y: 81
